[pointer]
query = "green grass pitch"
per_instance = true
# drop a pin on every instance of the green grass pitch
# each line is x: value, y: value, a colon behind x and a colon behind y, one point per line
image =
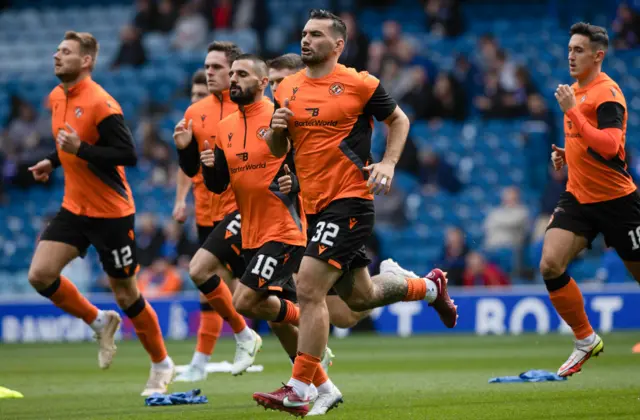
x: 426, y: 377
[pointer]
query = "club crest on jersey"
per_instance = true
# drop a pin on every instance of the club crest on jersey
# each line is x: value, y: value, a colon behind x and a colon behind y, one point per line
x: 293, y: 95
x: 570, y: 124
x: 262, y: 132
x: 230, y: 136
x: 79, y: 111
x: 336, y: 89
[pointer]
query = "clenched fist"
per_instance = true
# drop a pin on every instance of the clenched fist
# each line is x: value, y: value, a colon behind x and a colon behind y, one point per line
x: 280, y: 119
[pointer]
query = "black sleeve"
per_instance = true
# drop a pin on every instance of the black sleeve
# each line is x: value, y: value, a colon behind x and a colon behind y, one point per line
x: 114, y: 147
x: 54, y: 158
x: 610, y: 115
x: 217, y: 178
x: 380, y: 105
x: 189, y: 158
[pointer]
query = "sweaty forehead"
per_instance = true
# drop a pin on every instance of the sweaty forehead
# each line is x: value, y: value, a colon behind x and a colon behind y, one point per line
x: 578, y: 40
x: 322, y: 25
x: 70, y: 44
x: 216, y: 57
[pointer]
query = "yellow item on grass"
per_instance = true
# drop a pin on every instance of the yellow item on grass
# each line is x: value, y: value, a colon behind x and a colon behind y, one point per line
x: 8, y: 393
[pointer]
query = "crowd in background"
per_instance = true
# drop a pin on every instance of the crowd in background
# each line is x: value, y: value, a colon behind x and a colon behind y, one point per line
x: 488, y: 84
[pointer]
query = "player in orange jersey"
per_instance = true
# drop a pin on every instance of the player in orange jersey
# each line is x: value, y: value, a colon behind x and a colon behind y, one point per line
x: 326, y: 110
x: 340, y: 315
x: 210, y: 321
x: 219, y: 259
x: 600, y: 197
x: 93, y: 146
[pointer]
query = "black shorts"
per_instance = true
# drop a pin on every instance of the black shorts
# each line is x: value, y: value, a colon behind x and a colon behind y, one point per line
x: 618, y: 220
x: 338, y: 234
x: 225, y: 242
x: 114, y: 239
x: 270, y: 269
x: 203, y: 233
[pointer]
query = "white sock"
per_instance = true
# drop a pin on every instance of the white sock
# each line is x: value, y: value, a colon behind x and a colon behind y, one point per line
x: 586, y: 341
x: 200, y: 360
x: 432, y: 291
x: 166, y: 364
x: 101, y: 320
x: 326, y: 387
x: 299, y: 387
x: 245, y: 335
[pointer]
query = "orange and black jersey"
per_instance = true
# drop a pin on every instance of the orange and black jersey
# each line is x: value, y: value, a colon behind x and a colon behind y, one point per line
x: 592, y: 176
x: 95, y: 182
x: 244, y: 161
x: 331, y: 132
x: 205, y: 116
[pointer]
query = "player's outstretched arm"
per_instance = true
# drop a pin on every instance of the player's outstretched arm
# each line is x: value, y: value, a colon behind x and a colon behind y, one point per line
x: 215, y: 170
x: 276, y: 137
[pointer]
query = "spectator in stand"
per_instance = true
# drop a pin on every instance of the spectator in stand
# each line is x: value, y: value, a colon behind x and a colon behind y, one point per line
x: 176, y: 245
x: 556, y: 185
x: 191, y: 29
x: 149, y: 239
x: 454, y: 254
x: 165, y: 19
x: 506, y: 70
x: 436, y: 174
x: 159, y: 280
x: 467, y: 76
x: 443, y: 17
x: 626, y: 28
x: 480, y: 272
x: 145, y: 16
x: 506, y: 226
x: 131, y: 51
x: 356, y: 51
x: 445, y: 101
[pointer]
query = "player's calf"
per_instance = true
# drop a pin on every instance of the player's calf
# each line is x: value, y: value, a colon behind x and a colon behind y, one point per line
x: 203, y: 266
x: 341, y: 316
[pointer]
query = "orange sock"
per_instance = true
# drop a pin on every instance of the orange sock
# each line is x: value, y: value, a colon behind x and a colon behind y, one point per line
x: 320, y: 377
x: 145, y: 322
x: 305, y: 368
x: 292, y: 315
x: 570, y: 305
x: 416, y: 290
x: 66, y: 296
x: 209, y: 330
x: 219, y: 296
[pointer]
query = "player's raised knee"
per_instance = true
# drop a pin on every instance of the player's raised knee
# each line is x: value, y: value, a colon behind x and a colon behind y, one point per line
x: 201, y: 268
x: 551, y: 267
x: 41, y: 277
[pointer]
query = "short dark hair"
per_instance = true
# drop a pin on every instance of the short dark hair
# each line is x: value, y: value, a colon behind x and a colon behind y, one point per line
x: 289, y: 61
x: 596, y: 34
x: 230, y: 50
x: 337, y: 24
x: 199, y: 77
x: 258, y: 63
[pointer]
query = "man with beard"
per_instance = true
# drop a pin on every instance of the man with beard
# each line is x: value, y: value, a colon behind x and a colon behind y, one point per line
x: 219, y: 260
x: 326, y: 111
x: 274, y: 225
x: 93, y: 146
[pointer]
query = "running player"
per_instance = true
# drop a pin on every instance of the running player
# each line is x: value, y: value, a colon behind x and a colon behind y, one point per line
x: 210, y: 321
x: 601, y: 196
x: 327, y: 112
x: 340, y: 314
x: 219, y: 257
x: 93, y: 146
